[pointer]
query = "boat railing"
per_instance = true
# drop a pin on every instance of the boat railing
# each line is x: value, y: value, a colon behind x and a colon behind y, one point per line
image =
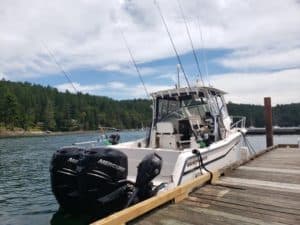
x: 238, y: 122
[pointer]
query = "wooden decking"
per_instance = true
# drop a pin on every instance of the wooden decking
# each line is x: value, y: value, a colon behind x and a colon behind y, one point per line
x: 265, y: 191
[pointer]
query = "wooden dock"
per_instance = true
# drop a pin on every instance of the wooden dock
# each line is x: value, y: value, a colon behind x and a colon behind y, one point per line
x: 265, y: 190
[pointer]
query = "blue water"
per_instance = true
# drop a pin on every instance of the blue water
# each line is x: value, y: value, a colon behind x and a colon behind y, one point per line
x: 25, y: 194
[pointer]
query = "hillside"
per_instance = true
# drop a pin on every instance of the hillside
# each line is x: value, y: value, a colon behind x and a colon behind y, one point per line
x: 34, y: 106
x: 29, y: 106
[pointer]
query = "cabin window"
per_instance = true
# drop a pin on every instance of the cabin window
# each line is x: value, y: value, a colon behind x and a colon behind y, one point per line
x: 169, y: 109
x: 196, y: 107
x: 221, y: 105
x: 166, y: 108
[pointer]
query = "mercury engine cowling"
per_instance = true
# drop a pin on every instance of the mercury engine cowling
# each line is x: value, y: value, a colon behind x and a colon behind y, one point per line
x: 63, y: 171
x: 102, y: 180
x: 148, y: 169
x: 94, y: 181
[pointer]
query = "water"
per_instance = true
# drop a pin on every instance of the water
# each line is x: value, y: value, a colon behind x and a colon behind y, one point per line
x: 25, y: 194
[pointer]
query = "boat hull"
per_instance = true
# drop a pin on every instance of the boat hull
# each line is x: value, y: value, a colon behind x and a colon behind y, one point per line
x: 180, y: 166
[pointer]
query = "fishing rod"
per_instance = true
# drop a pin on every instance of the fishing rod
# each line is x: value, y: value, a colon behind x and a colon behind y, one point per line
x: 203, y: 51
x: 172, y: 42
x: 191, y: 41
x: 50, y: 53
x: 133, y: 61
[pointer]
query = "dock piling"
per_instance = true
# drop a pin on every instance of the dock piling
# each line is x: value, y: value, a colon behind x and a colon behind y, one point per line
x: 268, y: 121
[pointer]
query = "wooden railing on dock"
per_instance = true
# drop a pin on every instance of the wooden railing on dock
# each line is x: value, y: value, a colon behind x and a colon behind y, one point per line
x: 177, y: 194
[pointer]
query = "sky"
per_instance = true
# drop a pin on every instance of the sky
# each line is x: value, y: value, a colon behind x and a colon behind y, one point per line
x: 250, y: 49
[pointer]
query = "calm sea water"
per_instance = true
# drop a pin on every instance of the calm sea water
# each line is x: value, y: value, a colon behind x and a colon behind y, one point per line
x: 25, y: 194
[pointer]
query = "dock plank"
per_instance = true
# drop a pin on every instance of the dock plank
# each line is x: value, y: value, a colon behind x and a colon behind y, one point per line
x: 264, y: 191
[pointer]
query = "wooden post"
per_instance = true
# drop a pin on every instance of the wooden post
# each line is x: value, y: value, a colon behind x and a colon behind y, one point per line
x: 268, y: 121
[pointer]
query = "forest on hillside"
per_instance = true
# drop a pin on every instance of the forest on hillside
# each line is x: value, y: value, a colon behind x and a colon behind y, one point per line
x: 33, y: 106
x: 30, y: 106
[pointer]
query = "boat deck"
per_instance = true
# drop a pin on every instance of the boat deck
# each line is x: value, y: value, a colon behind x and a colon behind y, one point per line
x: 266, y: 190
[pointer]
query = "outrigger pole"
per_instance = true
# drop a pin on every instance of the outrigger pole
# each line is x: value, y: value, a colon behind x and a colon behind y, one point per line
x: 172, y: 42
x: 52, y: 56
x: 133, y: 61
x: 191, y: 41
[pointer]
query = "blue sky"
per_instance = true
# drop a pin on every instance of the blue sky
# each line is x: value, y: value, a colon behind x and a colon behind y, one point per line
x: 251, y: 48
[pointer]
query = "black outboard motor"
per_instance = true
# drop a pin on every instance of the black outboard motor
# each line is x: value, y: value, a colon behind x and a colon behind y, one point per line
x: 148, y: 169
x: 114, y: 139
x: 95, y: 181
x: 102, y: 180
x: 64, y: 177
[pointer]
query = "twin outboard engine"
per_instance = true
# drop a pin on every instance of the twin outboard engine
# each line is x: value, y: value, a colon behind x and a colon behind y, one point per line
x: 64, y: 174
x: 101, y: 172
x: 95, y: 180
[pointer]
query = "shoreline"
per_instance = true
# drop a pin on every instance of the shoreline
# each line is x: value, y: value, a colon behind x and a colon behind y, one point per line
x: 19, y: 134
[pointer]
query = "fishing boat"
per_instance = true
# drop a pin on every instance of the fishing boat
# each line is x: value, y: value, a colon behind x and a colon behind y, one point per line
x: 191, y: 134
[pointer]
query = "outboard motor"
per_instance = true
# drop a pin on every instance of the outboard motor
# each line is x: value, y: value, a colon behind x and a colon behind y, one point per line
x: 114, y: 139
x: 102, y: 180
x: 94, y: 181
x: 148, y: 169
x: 64, y: 177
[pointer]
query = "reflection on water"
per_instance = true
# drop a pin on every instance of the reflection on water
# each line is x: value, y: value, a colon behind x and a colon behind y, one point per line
x: 61, y: 218
x: 25, y: 193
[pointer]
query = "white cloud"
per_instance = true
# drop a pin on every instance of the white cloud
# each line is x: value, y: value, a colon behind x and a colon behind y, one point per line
x: 83, y: 34
x: 116, y: 85
x: 79, y: 87
x: 282, y: 86
x: 125, y: 91
x: 114, y: 89
x: 266, y: 59
x: 2, y: 76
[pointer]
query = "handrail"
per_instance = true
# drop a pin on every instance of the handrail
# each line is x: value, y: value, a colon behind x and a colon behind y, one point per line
x: 240, y: 122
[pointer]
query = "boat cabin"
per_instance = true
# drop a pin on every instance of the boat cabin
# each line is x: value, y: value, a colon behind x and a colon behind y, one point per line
x: 188, y: 118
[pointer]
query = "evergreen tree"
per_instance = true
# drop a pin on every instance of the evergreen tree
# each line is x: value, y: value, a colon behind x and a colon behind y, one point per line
x: 26, y: 105
x: 50, y: 123
x: 10, y: 111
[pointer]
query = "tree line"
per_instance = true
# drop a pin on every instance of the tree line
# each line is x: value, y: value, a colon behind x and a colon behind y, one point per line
x: 284, y: 115
x: 30, y: 106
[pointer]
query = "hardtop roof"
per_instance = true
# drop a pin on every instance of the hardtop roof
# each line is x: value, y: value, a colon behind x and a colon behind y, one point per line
x: 186, y: 91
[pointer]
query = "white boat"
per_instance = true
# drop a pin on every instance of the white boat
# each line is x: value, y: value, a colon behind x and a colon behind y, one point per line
x: 191, y: 134
x: 187, y: 122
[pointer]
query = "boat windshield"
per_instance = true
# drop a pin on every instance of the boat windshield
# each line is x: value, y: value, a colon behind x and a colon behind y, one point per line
x: 169, y: 110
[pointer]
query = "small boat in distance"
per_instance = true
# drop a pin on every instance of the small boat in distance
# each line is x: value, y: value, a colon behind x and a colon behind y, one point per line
x: 191, y: 134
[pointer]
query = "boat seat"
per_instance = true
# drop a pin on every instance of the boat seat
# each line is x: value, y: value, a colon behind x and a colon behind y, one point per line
x: 165, y: 136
